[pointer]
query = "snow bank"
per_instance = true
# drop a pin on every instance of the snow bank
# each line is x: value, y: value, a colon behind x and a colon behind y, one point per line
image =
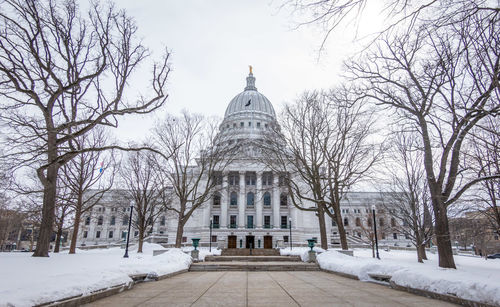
x: 28, y: 281
x: 300, y: 251
x: 474, y: 279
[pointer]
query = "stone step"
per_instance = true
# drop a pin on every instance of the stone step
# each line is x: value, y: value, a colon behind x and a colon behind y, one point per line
x: 253, y: 258
x: 246, y: 252
x: 254, y: 266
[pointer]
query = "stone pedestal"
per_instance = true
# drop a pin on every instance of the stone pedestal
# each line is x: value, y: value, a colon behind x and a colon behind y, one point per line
x: 195, y: 254
x: 312, y: 256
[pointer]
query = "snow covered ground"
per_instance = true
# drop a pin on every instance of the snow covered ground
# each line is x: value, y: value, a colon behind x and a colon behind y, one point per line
x: 204, y: 251
x: 475, y: 278
x: 27, y: 280
x: 300, y: 251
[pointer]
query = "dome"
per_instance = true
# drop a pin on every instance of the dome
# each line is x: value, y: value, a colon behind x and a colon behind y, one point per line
x: 250, y: 102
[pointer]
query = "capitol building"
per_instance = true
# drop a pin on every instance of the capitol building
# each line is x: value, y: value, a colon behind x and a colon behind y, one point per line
x: 250, y: 206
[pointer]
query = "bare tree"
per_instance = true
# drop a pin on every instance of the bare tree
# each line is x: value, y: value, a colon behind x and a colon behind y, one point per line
x: 408, y: 198
x: 62, y: 74
x: 198, y: 152
x: 485, y: 162
x: 139, y: 175
x: 322, y: 144
x: 63, y: 209
x: 87, y: 177
x: 442, y: 83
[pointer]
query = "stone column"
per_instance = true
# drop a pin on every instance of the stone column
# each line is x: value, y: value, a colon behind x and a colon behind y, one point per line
x: 242, y: 202
x: 224, y: 202
x: 259, y: 200
x: 276, y: 201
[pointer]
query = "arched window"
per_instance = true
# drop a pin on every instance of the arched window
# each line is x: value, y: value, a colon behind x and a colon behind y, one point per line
x: 113, y: 220
x: 267, y: 199
x: 283, y: 200
x: 234, y: 199
x: 358, y: 222
x: 250, y: 199
x: 87, y: 220
x: 393, y: 222
x: 100, y: 220
x: 381, y: 222
x: 216, y: 199
x: 346, y: 222
x: 125, y: 220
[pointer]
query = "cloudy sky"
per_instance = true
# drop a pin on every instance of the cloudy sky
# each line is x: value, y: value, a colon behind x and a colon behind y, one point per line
x: 212, y: 44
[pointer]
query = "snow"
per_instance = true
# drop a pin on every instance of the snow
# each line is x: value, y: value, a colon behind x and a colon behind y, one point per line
x: 204, y: 251
x: 28, y: 281
x: 303, y: 252
x: 474, y: 279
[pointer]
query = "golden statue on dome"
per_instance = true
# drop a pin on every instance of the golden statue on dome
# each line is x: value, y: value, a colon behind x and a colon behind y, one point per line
x: 250, y: 66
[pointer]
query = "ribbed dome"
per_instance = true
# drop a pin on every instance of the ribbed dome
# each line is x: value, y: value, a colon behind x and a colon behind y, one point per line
x: 250, y: 101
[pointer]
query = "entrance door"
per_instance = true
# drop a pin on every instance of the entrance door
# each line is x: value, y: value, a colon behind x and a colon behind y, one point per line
x: 250, y: 240
x: 231, y: 241
x: 268, y: 241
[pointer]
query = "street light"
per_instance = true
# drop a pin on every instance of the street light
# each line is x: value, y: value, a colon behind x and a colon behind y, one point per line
x: 290, y: 220
x: 129, y: 224
x: 375, y: 230
x: 210, y: 238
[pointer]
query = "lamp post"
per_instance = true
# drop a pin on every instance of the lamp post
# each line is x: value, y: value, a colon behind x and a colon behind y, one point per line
x: 290, y: 220
x: 210, y: 237
x: 129, y: 224
x: 375, y: 230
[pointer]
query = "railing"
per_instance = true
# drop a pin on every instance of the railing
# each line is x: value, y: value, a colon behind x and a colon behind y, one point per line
x: 215, y: 226
x: 233, y: 226
x: 250, y: 226
x: 268, y: 226
x: 284, y: 226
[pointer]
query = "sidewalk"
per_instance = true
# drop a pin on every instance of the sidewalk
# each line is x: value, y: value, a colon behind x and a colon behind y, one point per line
x: 264, y: 289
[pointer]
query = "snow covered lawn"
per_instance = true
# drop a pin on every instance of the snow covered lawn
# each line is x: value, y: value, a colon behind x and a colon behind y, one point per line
x: 27, y: 280
x: 474, y: 279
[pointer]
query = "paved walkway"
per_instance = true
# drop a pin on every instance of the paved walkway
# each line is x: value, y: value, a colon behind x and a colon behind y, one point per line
x: 264, y: 289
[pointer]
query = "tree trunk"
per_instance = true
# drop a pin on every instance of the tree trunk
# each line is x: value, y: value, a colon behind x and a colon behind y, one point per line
x: 340, y: 227
x: 59, y: 236
x: 180, y: 232
x: 48, y: 214
x: 418, y: 244
x: 141, y: 239
x: 422, y: 252
x: 322, y: 227
x: 442, y: 232
x: 76, y: 226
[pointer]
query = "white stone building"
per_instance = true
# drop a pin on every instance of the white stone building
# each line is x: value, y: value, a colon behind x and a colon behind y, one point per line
x: 251, y: 206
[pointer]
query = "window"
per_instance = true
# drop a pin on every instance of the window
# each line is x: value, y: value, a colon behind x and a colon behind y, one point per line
x: 250, y: 199
x: 393, y: 222
x: 284, y: 222
x: 85, y: 234
x: 250, y: 178
x: 334, y: 223
x: 113, y: 220
x: 214, y: 239
x: 258, y: 125
x: 265, y: 125
x: 234, y: 125
x: 100, y: 220
x: 242, y: 124
x: 267, y: 199
x: 110, y: 234
x: 136, y: 233
x: 250, y: 221
x: 124, y: 235
x: 395, y: 236
x: 125, y: 220
x: 232, y: 221
x: 283, y: 200
x: 249, y: 124
x: 267, y: 221
x: 87, y: 220
x: 215, y: 221
x: 216, y: 200
x: 217, y: 178
x: 162, y: 221
x: 381, y: 222
x: 383, y: 235
x: 267, y: 178
x: 234, y: 178
x: 407, y: 236
x: 283, y: 180
x: 346, y: 222
x: 184, y: 239
x: 285, y: 239
x: 234, y: 199
x: 98, y: 234
x: 358, y: 222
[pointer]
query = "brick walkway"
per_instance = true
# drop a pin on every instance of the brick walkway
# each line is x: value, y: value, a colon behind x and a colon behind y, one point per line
x: 264, y: 289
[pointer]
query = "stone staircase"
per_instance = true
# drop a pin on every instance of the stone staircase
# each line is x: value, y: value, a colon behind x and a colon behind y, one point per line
x: 273, y: 262
x: 248, y: 252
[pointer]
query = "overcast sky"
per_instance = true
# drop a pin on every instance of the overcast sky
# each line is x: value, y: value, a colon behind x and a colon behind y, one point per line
x: 212, y: 44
